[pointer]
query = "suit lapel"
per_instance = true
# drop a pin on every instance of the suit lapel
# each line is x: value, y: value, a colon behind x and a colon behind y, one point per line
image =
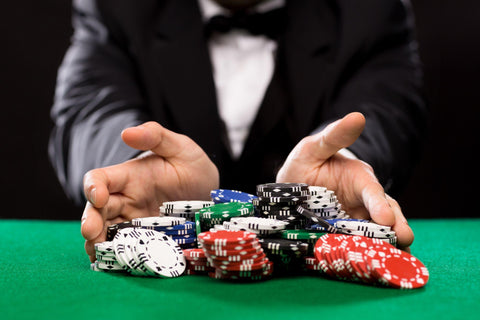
x: 185, y: 74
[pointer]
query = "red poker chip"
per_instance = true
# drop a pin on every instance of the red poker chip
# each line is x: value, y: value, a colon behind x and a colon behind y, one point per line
x: 237, y: 247
x: 195, y: 253
x: 245, y: 267
x: 226, y: 253
x: 228, y: 264
x: 322, y: 249
x: 333, y: 264
x: 238, y: 257
x: 263, y: 274
x: 199, y: 263
x: 226, y: 237
x: 396, y: 268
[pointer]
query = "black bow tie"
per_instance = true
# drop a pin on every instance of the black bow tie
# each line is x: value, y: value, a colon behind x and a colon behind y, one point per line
x: 269, y: 23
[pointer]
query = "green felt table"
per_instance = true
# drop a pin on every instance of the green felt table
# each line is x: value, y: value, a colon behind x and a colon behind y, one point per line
x: 45, y: 274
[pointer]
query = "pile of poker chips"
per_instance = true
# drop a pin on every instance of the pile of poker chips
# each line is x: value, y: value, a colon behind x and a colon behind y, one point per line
x: 290, y: 248
x: 367, y: 260
x: 279, y: 201
x: 235, y: 255
x: 183, y: 209
x: 142, y: 252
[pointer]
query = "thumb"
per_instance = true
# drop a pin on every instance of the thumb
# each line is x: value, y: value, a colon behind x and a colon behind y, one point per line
x: 337, y: 135
x: 152, y: 136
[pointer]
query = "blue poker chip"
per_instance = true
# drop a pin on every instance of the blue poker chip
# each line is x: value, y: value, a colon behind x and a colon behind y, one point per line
x: 188, y: 225
x: 318, y: 227
x: 225, y: 195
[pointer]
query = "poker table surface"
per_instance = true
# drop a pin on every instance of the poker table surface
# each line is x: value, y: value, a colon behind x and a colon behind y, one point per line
x: 45, y: 274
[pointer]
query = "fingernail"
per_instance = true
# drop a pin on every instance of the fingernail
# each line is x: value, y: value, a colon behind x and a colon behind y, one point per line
x: 93, y: 196
x: 84, y: 218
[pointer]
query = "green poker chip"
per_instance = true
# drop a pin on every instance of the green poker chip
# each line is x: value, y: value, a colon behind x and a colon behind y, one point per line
x: 225, y: 211
x: 300, y: 235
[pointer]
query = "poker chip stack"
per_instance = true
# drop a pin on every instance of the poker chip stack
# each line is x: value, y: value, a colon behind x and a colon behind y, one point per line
x: 180, y: 230
x: 367, y: 260
x: 197, y: 262
x: 183, y: 209
x: 367, y: 229
x: 219, y: 213
x: 286, y: 255
x: 141, y: 252
x: 279, y: 201
x: 236, y: 255
x: 106, y: 259
x: 324, y: 203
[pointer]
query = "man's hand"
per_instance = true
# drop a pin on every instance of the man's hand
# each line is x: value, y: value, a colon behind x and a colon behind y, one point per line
x: 176, y: 168
x: 315, y: 161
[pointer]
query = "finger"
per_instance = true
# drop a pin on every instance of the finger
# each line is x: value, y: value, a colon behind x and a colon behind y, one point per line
x: 402, y: 230
x: 98, y: 184
x: 92, y: 223
x: 374, y: 199
x: 152, y: 136
x: 337, y: 135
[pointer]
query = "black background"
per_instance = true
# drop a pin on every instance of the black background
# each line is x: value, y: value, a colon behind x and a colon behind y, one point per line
x: 35, y: 35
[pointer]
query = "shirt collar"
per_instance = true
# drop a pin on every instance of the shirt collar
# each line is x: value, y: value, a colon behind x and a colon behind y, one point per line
x: 210, y: 8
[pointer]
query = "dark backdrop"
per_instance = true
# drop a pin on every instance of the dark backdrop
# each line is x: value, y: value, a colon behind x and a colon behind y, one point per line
x: 35, y: 35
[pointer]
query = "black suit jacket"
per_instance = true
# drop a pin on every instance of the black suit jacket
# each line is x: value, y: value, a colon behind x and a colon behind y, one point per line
x: 133, y: 61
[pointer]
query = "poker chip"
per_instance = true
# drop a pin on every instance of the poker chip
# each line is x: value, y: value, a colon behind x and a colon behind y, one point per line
x: 256, y: 223
x: 293, y: 199
x: 361, y: 226
x: 112, y: 229
x: 160, y: 255
x: 186, y: 205
x: 282, y: 187
x: 225, y: 195
x: 300, y: 235
x: 314, y: 218
x: 152, y: 222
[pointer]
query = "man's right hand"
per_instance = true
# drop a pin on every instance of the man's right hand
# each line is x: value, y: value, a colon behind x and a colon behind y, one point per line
x: 175, y: 168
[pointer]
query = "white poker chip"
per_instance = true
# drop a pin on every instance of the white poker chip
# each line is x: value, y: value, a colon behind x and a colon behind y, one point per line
x: 362, y: 226
x: 316, y: 190
x: 227, y: 225
x: 158, y: 221
x: 316, y: 204
x: 161, y: 255
x: 257, y: 223
x: 323, y: 198
x: 106, y: 246
x: 370, y: 234
x: 108, y: 265
x: 187, y: 204
x: 121, y: 243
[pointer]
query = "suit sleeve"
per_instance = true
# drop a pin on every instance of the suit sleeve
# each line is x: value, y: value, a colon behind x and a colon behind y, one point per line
x: 383, y: 80
x: 96, y: 98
